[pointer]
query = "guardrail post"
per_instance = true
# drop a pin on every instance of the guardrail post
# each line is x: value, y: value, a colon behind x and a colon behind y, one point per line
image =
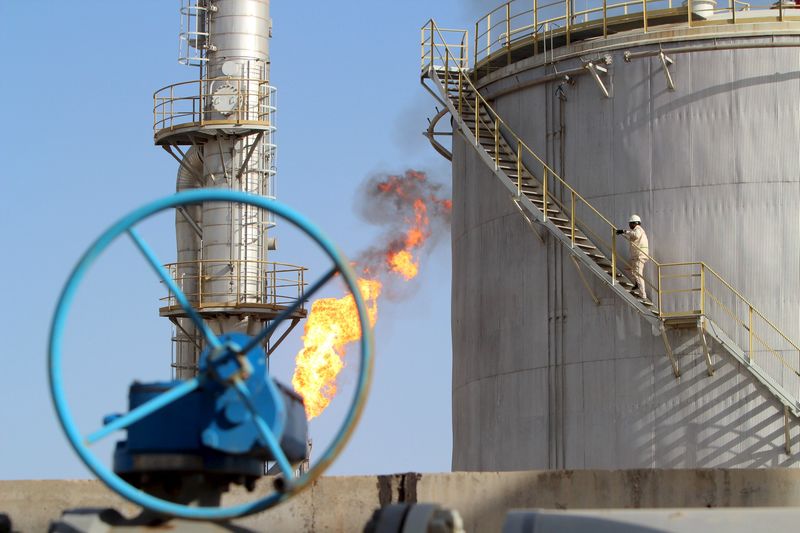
x: 572, y: 223
x: 605, y: 19
x: 477, y: 121
x: 535, y: 26
x: 488, y: 35
x: 544, y: 193
x: 519, y: 168
x: 496, y: 143
x: 644, y: 15
x: 658, y: 290
x: 200, y: 284
x: 613, y: 256
x: 432, y: 44
x: 475, y: 53
x: 460, y: 93
x: 702, y: 288
x: 508, y: 32
x: 750, y: 333
x: 447, y: 70
x: 780, y: 10
x: 733, y: 10
x: 689, y: 12
x: 567, y: 18
x: 239, y: 295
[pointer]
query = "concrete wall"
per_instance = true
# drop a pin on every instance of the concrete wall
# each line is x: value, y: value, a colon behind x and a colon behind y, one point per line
x: 345, y: 504
x: 545, y: 378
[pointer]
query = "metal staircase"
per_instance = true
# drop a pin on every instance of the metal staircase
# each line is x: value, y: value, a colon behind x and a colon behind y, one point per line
x: 544, y: 199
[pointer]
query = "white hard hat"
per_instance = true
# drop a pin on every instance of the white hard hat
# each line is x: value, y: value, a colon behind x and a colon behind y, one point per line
x: 635, y: 218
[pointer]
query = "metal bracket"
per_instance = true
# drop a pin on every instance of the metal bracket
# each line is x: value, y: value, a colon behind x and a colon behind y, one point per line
x: 277, y: 343
x: 248, y: 156
x: 666, y: 61
x: 585, y: 281
x: 168, y: 148
x: 527, y: 219
x: 177, y: 324
x: 675, y: 368
x: 706, y: 352
x: 593, y: 69
x: 192, y: 222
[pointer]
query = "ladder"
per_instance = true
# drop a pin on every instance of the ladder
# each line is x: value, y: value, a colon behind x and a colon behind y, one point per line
x: 545, y: 200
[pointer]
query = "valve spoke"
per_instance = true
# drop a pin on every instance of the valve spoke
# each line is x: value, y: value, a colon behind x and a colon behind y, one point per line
x: 145, y: 409
x: 269, y: 330
x: 265, y: 432
x: 174, y: 289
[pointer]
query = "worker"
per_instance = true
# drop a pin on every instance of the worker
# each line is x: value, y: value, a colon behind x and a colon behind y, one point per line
x: 638, y: 254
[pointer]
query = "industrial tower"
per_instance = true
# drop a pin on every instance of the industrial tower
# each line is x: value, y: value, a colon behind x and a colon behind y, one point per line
x: 569, y: 117
x: 220, y: 128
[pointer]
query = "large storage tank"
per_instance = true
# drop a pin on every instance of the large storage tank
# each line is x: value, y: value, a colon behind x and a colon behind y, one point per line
x: 545, y: 377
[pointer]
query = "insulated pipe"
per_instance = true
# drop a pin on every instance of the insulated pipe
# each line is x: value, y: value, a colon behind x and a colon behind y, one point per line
x: 188, y: 243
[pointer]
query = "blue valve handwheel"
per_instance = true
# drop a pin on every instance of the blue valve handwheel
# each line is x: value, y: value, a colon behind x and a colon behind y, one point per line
x: 79, y: 442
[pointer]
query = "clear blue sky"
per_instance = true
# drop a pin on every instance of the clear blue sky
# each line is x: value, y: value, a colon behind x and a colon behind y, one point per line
x: 76, y: 153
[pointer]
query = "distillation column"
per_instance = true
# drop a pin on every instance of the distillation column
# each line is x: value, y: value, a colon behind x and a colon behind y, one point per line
x: 227, y: 120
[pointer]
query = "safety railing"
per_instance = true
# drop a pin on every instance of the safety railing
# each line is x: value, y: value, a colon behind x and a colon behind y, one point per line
x: 555, y: 191
x: 224, y: 100
x: 694, y: 288
x: 238, y: 283
x: 522, y: 22
x: 674, y: 288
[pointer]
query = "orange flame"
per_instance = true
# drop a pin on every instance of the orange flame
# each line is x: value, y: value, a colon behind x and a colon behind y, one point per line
x: 402, y: 261
x: 331, y: 324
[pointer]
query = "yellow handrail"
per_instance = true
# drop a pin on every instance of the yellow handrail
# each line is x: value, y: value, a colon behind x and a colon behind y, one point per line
x: 438, y: 55
x: 520, y: 21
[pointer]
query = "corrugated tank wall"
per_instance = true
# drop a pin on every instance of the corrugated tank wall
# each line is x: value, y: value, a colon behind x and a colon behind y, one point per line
x: 545, y: 378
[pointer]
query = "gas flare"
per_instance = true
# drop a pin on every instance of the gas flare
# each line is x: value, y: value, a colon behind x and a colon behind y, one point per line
x: 405, y: 204
x: 332, y: 323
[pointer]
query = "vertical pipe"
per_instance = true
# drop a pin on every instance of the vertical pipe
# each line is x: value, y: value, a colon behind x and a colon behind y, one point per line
x: 658, y: 273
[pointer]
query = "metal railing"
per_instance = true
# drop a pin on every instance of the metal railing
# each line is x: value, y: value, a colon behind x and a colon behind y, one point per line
x: 209, y: 283
x: 711, y: 296
x: 523, y: 22
x: 224, y: 100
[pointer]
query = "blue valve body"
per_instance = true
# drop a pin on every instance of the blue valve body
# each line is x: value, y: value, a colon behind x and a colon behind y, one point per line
x: 211, y: 429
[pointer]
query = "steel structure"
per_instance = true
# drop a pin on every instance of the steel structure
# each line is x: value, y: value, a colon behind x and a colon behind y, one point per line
x: 220, y: 128
x: 564, y: 129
